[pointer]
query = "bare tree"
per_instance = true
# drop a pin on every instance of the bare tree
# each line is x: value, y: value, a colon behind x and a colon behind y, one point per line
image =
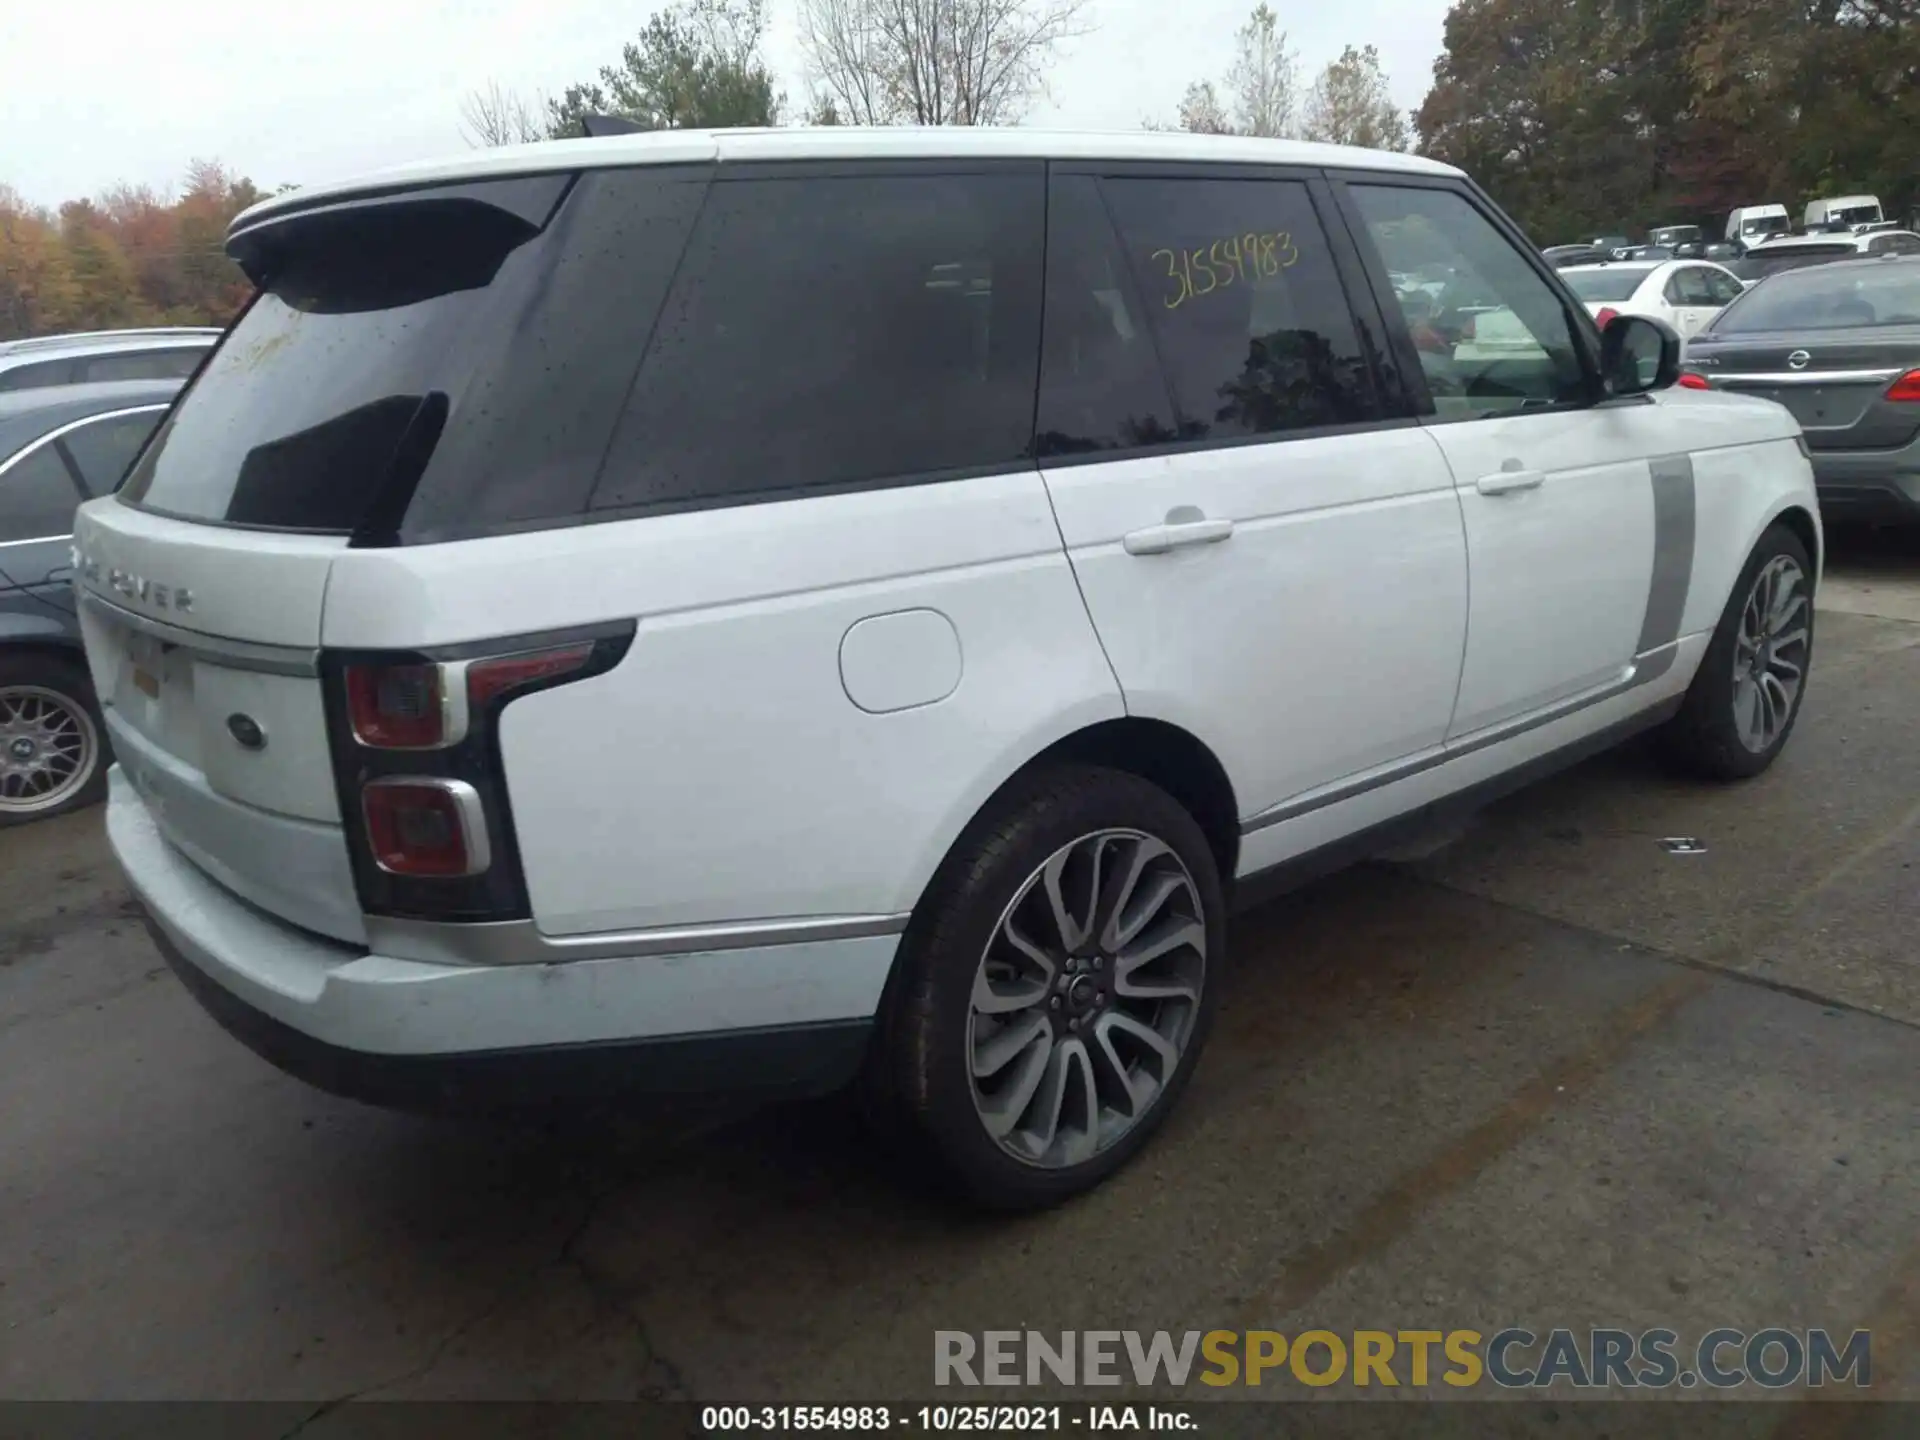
x: 1351, y: 104
x: 934, y: 62
x: 1263, y: 79
x: 1202, y: 112
x: 495, y: 115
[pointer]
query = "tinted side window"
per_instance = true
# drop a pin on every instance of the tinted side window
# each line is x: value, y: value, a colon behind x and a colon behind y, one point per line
x: 1492, y: 334
x: 1246, y: 304
x: 31, y: 377
x: 834, y: 330
x: 104, y: 450
x: 1100, y: 381
x: 37, y: 497
x: 174, y: 364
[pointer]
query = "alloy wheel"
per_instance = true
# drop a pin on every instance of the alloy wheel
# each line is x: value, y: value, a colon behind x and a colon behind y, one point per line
x: 1770, y: 653
x: 1086, y: 996
x: 48, y: 748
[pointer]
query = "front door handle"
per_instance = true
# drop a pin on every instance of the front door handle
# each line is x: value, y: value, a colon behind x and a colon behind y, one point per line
x: 1184, y: 527
x: 1510, y: 482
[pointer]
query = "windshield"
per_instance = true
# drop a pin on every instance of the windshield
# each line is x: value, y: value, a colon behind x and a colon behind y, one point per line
x: 1855, y: 214
x: 1616, y: 282
x: 1827, y: 299
x: 1676, y: 235
x: 1765, y: 225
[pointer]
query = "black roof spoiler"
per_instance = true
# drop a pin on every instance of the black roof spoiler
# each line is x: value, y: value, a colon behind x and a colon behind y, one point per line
x: 593, y: 127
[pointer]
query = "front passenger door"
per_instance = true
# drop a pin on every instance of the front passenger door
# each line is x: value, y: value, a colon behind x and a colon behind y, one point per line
x: 1557, y: 490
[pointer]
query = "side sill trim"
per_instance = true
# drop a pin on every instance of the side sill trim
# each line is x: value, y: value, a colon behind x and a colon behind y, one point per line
x: 520, y: 942
x: 1643, y: 671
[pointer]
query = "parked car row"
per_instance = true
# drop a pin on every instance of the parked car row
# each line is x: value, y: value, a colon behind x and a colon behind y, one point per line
x: 75, y: 410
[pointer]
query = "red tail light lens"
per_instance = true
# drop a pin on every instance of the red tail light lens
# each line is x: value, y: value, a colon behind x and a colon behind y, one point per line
x: 487, y: 679
x: 397, y: 707
x: 1690, y: 381
x: 426, y: 827
x: 1605, y: 316
x: 1907, y: 387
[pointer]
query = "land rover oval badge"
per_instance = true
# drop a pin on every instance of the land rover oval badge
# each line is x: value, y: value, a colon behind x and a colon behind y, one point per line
x: 246, y: 732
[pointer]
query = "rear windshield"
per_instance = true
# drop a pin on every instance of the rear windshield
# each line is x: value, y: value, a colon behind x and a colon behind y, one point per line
x: 423, y: 360
x: 1613, y: 283
x: 1827, y: 299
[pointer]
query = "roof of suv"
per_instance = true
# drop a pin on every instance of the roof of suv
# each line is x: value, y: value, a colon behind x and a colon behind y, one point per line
x: 665, y: 147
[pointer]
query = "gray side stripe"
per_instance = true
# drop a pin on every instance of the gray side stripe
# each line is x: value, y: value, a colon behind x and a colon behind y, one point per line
x: 1673, y: 525
x: 1654, y: 656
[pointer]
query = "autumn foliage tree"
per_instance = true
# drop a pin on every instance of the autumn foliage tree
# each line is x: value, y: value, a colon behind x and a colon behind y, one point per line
x: 1604, y: 116
x: 130, y: 256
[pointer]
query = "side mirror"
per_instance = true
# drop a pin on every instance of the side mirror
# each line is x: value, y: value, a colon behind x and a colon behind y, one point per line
x: 1638, y: 355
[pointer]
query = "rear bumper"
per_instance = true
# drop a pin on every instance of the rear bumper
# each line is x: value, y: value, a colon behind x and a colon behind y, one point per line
x: 773, y: 1020
x: 1869, y: 484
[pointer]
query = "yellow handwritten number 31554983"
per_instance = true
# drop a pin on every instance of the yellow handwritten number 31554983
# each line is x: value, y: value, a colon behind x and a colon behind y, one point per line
x: 1216, y: 266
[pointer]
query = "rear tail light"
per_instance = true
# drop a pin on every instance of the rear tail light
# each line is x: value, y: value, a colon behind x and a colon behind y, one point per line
x: 398, y: 707
x: 1605, y: 316
x: 1690, y: 381
x: 416, y: 754
x: 487, y: 680
x: 424, y: 827
x: 1906, y: 388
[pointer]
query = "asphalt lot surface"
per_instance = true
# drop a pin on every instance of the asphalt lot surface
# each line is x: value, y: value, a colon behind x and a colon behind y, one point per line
x: 1541, y: 1071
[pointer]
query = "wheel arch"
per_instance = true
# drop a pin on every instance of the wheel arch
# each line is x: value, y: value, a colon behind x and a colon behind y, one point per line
x: 1806, y: 527
x: 1157, y: 751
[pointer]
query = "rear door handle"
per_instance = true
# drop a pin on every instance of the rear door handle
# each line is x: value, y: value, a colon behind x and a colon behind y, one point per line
x: 1176, y: 535
x: 1509, y: 482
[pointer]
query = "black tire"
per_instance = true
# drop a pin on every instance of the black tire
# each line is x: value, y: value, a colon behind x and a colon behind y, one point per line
x: 1704, y: 740
x: 919, y: 1086
x: 26, y: 674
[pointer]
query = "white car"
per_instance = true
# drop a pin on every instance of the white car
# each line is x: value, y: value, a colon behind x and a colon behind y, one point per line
x: 1685, y: 294
x: 780, y: 608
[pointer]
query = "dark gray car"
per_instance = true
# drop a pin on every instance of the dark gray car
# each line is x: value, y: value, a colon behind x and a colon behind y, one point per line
x: 58, y: 446
x: 1839, y: 346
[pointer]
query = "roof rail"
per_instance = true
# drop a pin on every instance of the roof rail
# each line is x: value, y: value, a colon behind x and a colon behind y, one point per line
x: 88, y: 337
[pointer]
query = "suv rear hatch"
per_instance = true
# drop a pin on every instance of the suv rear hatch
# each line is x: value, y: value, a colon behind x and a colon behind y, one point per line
x: 417, y: 365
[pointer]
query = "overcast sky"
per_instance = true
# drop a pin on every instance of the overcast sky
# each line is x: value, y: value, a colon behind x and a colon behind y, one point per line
x: 131, y: 90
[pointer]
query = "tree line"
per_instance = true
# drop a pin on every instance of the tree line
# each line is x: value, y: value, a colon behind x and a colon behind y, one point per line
x: 1590, y: 117
x: 1582, y: 117
x: 133, y: 256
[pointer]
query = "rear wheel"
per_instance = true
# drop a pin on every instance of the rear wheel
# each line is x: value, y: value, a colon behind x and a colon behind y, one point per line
x: 52, y: 755
x: 1745, y: 699
x: 1056, y: 987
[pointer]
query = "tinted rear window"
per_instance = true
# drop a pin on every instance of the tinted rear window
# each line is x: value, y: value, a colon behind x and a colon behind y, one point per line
x: 446, y: 362
x: 836, y: 330
x: 1827, y: 299
x: 1603, y: 285
x: 174, y: 364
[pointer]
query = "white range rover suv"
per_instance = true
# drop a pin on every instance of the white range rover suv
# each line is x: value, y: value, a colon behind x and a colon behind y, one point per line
x: 777, y: 609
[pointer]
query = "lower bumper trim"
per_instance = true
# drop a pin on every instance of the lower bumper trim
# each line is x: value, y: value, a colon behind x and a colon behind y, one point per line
x: 788, y: 1061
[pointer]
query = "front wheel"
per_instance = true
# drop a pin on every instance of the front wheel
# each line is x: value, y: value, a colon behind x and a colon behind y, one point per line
x: 1745, y: 698
x: 1057, y: 986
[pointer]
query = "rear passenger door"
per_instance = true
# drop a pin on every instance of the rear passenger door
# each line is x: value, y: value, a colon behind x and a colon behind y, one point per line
x: 1271, y: 552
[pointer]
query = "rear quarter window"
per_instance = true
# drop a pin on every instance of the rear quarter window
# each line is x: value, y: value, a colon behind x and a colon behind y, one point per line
x: 837, y: 330
x: 39, y: 373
